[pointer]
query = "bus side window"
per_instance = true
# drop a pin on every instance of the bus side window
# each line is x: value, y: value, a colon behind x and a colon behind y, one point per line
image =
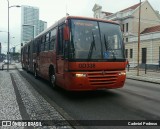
x: 35, y: 46
x: 52, y: 43
x: 47, y: 38
x: 38, y: 45
x: 42, y: 43
x: 60, y: 40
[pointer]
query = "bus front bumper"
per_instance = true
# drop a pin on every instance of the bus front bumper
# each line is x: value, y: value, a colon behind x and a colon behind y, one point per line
x: 81, y: 81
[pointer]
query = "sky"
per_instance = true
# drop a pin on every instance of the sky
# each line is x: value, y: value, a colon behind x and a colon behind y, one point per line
x: 53, y: 10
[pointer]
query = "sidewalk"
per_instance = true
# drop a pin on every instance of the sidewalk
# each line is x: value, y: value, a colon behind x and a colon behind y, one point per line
x: 4, y: 66
x: 20, y: 101
x: 150, y: 76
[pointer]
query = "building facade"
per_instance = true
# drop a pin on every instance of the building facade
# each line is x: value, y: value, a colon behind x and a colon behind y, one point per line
x: 129, y: 20
x: 41, y: 26
x: 149, y: 47
x: 30, y: 23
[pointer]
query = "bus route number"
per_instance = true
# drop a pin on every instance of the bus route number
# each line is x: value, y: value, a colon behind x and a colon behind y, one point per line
x: 87, y: 65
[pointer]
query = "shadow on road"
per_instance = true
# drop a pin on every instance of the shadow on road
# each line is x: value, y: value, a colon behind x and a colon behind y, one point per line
x: 45, y: 87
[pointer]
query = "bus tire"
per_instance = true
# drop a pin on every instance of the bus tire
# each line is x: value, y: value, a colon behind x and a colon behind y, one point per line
x: 52, y: 78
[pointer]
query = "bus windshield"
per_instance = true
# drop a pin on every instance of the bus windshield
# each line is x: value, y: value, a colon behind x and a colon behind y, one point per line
x: 95, y: 40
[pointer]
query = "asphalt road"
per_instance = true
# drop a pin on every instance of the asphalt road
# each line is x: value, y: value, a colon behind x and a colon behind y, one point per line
x: 135, y: 101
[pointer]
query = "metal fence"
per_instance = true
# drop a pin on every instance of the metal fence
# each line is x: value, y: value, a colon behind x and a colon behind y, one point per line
x: 155, y: 67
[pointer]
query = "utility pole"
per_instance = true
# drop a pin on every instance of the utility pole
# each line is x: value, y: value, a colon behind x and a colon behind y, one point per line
x: 139, y: 26
x: 8, y: 52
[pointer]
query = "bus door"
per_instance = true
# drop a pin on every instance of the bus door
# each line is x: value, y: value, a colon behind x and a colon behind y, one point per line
x: 60, y: 57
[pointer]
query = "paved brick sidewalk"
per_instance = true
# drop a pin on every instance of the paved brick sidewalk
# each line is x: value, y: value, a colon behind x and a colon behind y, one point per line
x: 4, y: 66
x: 150, y: 76
x: 20, y: 101
x: 8, y: 105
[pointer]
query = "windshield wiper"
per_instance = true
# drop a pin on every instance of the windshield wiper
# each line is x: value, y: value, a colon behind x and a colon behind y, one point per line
x: 72, y: 49
x: 105, y: 43
x: 107, y: 46
x: 91, y: 47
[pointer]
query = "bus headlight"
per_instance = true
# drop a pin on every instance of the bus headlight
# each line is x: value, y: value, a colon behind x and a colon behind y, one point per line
x: 122, y: 73
x: 80, y: 75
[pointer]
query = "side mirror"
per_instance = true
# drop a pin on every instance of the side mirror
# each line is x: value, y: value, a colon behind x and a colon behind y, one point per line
x: 66, y: 33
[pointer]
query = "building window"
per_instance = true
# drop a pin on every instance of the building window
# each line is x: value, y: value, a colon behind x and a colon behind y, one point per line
x: 131, y: 53
x: 123, y: 27
x: 126, y: 39
x: 144, y: 55
x: 126, y: 52
x: 126, y: 27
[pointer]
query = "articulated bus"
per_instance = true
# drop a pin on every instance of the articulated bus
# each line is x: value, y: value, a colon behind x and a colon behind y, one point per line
x: 78, y: 53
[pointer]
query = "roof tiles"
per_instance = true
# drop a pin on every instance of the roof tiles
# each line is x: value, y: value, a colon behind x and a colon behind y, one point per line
x: 151, y: 29
x: 131, y: 7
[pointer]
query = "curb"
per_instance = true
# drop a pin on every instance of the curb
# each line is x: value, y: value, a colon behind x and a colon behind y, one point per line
x: 144, y: 79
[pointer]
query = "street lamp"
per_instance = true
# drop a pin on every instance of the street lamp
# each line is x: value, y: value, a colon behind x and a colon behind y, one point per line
x: 8, y: 32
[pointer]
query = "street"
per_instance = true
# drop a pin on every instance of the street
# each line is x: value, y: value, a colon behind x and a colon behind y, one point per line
x: 34, y: 99
x: 137, y: 100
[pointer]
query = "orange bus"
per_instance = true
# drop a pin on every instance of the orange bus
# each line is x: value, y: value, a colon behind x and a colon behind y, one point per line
x: 78, y: 53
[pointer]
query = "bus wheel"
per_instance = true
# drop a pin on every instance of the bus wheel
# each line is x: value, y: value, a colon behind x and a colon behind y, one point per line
x: 53, y: 80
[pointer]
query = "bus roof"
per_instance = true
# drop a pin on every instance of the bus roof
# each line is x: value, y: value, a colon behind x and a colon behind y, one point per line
x: 89, y: 18
x: 74, y: 17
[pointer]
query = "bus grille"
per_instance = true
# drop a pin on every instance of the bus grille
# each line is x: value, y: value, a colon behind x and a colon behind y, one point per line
x: 102, y: 78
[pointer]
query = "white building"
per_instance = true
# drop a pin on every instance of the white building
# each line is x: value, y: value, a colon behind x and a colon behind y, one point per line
x: 149, y: 47
x: 128, y: 18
